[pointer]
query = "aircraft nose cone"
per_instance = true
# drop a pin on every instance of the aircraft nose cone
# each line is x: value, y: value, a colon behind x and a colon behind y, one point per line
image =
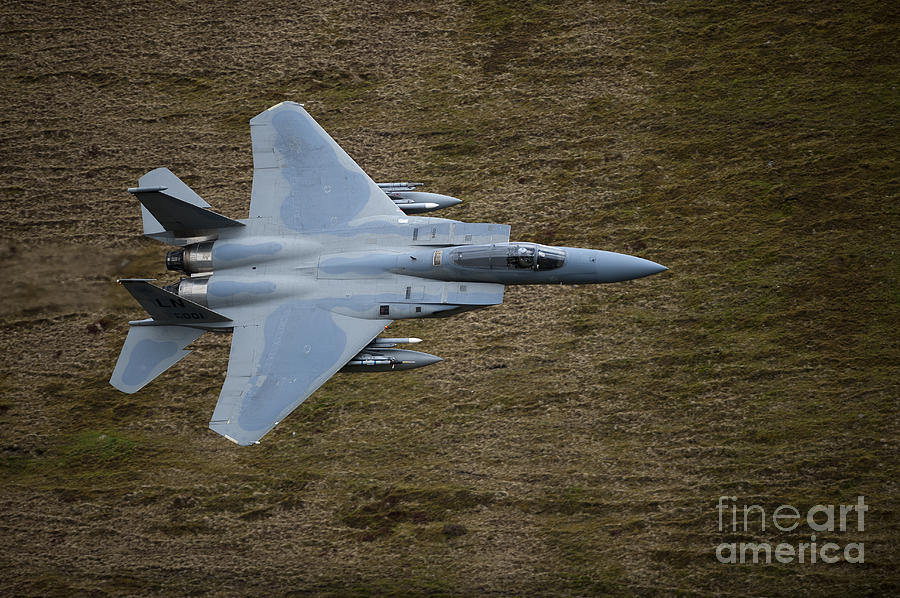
x: 616, y: 267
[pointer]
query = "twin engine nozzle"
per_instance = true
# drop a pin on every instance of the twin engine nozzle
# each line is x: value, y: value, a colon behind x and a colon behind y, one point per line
x: 193, y: 259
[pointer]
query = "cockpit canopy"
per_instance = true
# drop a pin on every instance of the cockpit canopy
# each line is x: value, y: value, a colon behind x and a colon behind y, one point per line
x: 509, y: 256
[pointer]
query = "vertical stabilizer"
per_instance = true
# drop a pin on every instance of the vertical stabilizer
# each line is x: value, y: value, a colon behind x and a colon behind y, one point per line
x: 172, y: 212
x: 163, y: 177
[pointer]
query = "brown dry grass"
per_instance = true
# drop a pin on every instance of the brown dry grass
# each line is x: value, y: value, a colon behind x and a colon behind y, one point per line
x: 575, y: 440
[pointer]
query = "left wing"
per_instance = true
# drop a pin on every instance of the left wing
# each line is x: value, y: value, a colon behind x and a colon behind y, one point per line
x: 276, y: 364
x: 303, y: 179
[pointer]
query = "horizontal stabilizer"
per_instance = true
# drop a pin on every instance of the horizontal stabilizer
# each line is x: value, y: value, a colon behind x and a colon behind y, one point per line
x: 164, y: 306
x: 168, y: 205
x: 148, y: 352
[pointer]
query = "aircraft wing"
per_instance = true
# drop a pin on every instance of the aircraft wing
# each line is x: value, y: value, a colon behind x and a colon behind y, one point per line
x: 276, y: 364
x: 303, y: 179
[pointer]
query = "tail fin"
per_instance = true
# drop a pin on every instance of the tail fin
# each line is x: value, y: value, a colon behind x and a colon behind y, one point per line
x: 166, y: 307
x: 171, y: 211
x: 148, y: 352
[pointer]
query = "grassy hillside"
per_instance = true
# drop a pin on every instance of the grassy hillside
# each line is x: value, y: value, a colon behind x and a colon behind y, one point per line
x: 576, y: 440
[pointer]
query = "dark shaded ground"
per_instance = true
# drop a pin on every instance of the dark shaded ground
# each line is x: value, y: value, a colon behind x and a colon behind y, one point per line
x: 576, y: 439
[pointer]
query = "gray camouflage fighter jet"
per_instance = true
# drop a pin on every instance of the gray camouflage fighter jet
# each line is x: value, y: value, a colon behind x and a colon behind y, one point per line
x: 327, y: 259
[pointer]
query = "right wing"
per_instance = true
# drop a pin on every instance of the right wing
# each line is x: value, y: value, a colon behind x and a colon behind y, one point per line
x: 303, y: 179
x: 275, y: 365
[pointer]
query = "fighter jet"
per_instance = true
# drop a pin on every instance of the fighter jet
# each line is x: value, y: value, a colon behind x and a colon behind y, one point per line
x: 327, y: 259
